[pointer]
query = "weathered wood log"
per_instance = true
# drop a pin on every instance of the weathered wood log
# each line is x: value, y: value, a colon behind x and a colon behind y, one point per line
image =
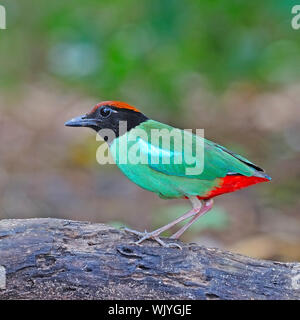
x: 62, y: 259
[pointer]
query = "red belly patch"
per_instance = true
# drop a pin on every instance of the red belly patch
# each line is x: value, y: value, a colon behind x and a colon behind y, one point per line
x: 232, y: 183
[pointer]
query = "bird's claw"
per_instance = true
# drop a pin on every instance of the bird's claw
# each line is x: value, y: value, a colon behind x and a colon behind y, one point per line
x: 174, y: 245
x: 151, y: 235
x: 167, y: 245
x: 135, y: 232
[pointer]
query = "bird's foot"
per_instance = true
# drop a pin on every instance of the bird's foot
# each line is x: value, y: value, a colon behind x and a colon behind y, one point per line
x: 151, y: 235
x: 135, y: 232
x: 167, y: 245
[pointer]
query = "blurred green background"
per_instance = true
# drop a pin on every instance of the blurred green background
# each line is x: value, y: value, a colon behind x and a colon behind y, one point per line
x: 231, y: 67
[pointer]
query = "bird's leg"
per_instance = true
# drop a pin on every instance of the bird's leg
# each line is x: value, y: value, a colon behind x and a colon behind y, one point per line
x: 206, y: 207
x: 154, y: 234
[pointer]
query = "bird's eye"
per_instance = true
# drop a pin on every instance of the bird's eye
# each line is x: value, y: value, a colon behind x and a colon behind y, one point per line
x: 105, y: 112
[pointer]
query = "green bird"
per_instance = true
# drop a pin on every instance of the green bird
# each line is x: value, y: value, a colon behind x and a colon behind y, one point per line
x: 170, y: 162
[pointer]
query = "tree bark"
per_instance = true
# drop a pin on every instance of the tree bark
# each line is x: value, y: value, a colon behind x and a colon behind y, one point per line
x: 62, y: 259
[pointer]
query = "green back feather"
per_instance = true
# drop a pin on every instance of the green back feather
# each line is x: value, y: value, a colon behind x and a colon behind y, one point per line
x: 162, y: 173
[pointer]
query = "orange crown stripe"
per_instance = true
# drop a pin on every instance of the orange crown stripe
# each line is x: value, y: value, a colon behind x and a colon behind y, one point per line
x: 116, y: 104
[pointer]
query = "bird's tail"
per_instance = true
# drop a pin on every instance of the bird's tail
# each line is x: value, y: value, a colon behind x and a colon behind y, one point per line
x: 262, y: 174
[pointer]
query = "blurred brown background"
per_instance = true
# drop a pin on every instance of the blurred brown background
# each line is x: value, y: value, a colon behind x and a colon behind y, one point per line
x: 230, y: 67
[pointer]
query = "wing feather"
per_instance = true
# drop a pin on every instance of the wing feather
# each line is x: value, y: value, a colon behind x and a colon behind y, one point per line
x: 213, y: 162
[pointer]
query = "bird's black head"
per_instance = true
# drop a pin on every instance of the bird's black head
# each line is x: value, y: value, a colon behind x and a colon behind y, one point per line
x: 107, y: 115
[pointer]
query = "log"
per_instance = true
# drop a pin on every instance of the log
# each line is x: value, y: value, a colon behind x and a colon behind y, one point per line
x: 63, y: 259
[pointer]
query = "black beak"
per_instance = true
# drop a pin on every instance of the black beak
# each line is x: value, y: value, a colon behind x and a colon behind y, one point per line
x: 82, y: 121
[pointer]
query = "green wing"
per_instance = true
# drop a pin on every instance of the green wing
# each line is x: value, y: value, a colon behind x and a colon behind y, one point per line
x: 213, y: 162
